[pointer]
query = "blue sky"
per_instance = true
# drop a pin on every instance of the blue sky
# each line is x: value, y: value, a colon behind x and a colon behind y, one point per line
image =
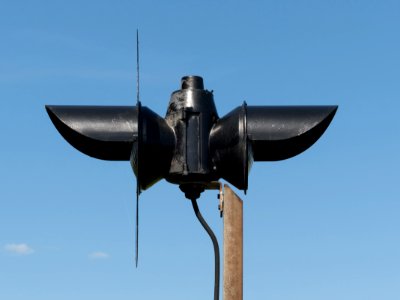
x: 323, y: 225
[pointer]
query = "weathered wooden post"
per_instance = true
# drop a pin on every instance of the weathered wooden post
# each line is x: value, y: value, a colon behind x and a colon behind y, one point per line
x: 233, y: 245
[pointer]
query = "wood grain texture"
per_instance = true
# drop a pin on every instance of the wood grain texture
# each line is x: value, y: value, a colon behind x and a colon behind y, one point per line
x: 233, y: 245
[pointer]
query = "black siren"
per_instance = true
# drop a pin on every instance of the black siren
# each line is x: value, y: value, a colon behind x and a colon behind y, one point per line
x: 192, y: 146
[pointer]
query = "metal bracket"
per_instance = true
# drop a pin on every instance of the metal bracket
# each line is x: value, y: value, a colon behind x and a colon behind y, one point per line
x: 216, y: 185
x: 221, y: 200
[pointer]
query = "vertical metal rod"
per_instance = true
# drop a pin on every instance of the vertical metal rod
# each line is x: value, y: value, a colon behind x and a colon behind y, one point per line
x: 137, y: 179
x: 233, y: 245
x: 137, y: 68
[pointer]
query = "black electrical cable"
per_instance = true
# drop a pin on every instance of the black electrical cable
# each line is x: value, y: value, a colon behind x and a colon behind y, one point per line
x: 215, y: 244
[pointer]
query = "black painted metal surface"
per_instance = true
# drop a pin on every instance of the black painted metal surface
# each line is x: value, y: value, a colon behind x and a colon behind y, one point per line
x: 192, y: 146
x: 104, y: 132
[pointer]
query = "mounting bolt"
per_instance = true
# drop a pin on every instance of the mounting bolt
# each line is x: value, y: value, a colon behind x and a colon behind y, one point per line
x: 220, y: 197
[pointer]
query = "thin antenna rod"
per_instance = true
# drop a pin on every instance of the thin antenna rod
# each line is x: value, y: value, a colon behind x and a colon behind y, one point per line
x: 137, y: 67
x: 137, y: 228
x: 137, y: 183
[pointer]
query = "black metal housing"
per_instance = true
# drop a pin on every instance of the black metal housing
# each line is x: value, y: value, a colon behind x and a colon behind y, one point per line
x: 192, y: 146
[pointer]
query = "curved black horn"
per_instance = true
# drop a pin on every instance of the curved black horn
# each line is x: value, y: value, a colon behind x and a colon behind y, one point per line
x: 104, y: 132
x: 281, y: 132
x: 264, y: 133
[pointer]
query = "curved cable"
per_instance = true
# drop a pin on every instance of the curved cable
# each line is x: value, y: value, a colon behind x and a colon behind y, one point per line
x: 215, y: 244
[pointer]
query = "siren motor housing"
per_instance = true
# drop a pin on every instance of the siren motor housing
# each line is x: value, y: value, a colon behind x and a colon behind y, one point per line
x: 191, y: 146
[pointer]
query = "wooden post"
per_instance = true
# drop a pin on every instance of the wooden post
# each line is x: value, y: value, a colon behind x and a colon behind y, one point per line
x: 233, y: 245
